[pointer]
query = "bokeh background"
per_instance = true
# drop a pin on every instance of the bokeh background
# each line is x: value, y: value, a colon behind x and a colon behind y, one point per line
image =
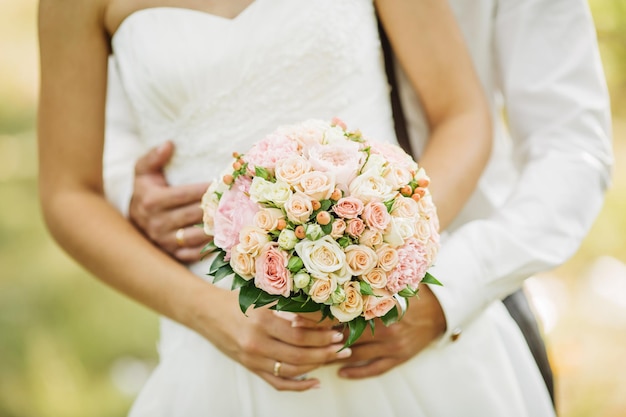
x: 69, y: 346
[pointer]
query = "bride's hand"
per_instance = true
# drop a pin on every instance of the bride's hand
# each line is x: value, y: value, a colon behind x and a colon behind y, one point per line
x: 264, y: 338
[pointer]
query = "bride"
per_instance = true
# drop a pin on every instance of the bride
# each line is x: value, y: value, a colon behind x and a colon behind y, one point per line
x: 213, y: 77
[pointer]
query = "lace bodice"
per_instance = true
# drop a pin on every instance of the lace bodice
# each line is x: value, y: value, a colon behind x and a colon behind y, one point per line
x: 215, y: 85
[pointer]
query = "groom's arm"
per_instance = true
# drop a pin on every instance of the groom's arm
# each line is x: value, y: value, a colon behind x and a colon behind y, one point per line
x: 559, y: 117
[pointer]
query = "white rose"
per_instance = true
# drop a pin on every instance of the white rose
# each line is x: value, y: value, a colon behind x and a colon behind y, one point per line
x: 260, y: 190
x: 287, y: 239
x: 375, y: 163
x: 209, y: 204
x: 370, y: 186
x: 279, y: 193
x: 352, y: 306
x: 334, y: 134
x: 397, y: 176
x: 290, y: 170
x: 321, y: 257
x: 406, y: 227
x: 392, y: 234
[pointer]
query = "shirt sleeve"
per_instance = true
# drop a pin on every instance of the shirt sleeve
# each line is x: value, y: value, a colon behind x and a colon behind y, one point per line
x: 121, y: 147
x: 558, y: 114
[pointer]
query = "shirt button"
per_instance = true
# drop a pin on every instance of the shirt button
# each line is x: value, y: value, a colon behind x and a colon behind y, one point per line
x: 456, y: 333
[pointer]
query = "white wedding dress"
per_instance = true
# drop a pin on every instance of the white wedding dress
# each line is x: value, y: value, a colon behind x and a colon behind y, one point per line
x: 215, y: 85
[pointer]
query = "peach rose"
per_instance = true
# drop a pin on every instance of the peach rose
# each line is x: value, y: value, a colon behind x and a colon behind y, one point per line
x: 378, y: 305
x: 317, y: 185
x: 422, y: 229
x: 355, y: 227
x: 387, y: 257
x: 298, y: 208
x: 252, y: 239
x: 339, y: 227
x: 361, y: 259
x: 271, y: 273
x: 352, y: 306
x: 371, y: 238
x: 348, y: 208
x: 242, y: 262
x: 377, y: 278
x: 267, y: 218
x: 322, y: 289
x: 376, y: 216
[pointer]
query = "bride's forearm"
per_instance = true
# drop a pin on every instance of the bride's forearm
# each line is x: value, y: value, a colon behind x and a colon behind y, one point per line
x: 94, y: 234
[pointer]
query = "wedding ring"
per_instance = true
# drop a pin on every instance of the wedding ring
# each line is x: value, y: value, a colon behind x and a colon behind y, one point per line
x: 277, y: 366
x: 180, y: 237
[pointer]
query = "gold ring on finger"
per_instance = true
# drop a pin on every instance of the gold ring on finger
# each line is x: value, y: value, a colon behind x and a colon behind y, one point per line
x: 180, y: 237
x: 277, y: 366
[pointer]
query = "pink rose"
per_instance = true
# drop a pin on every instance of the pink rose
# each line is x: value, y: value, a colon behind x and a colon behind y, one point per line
x: 355, y: 227
x: 271, y: 273
x: 393, y: 154
x: 348, y: 207
x: 376, y: 216
x: 411, y: 267
x: 235, y: 210
x: 271, y: 149
x: 378, y: 305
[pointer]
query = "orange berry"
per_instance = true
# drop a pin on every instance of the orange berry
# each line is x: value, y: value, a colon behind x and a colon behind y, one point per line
x: 300, y: 232
x: 236, y: 166
x: 228, y: 179
x: 416, y: 197
x: 281, y: 224
x: 236, y: 154
x: 323, y: 218
x: 420, y: 191
x: 423, y: 182
x: 406, y: 191
x: 316, y: 205
x: 336, y: 195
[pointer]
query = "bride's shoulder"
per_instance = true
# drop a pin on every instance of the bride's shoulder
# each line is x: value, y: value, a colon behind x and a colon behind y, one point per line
x: 71, y: 17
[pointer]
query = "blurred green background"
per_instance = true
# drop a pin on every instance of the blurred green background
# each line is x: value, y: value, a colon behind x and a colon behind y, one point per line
x: 70, y: 346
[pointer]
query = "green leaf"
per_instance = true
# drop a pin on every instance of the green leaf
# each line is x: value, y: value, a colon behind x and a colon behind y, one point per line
x: 222, y: 273
x: 265, y: 299
x: 327, y: 228
x: 325, y: 205
x: 262, y: 172
x: 209, y: 248
x: 288, y: 304
x: 366, y: 288
x: 372, y: 325
x: 295, y: 264
x: 391, y: 316
x: 356, y: 328
x: 389, y: 205
x: 218, y: 262
x: 239, y: 281
x: 247, y: 296
x: 344, y: 241
x: 407, y: 292
x: 429, y: 279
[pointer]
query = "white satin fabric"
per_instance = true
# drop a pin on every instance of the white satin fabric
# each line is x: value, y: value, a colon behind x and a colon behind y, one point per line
x: 215, y: 85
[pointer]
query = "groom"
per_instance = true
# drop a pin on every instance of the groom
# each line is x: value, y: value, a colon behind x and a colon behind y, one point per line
x: 539, y: 64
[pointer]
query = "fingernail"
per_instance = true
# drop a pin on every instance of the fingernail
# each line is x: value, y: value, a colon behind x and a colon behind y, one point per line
x: 162, y: 148
x: 344, y: 353
x: 337, y: 337
x: 316, y: 386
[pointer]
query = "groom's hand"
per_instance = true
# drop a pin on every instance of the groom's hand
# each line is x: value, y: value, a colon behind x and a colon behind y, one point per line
x: 391, y: 346
x: 167, y: 215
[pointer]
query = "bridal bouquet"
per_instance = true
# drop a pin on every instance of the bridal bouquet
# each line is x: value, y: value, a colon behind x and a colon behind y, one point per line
x: 317, y: 218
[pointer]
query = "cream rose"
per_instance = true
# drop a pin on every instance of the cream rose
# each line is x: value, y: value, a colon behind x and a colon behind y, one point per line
x: 209, y: 205
x: 267, y: 218
x: 405, y: 207
x: 392, y: 234
x: 317, y: 185
x: 422, y: 229
x: 322, y: 257
x: 361, y: 259
x: 242, y: 262
x: 291, y: 169
x: 298, y: 208
x: 397, y: 176
x: 352, y: 306
x: 339, y: 227
x: 252, y: 239
x: 406, y: 227
x: 370, y: 186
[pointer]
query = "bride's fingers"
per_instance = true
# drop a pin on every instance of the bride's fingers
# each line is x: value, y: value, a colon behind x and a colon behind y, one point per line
x: 375, y: 368
x: 282, y: 384
x: 285, y: 369
x: 301, y: 336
